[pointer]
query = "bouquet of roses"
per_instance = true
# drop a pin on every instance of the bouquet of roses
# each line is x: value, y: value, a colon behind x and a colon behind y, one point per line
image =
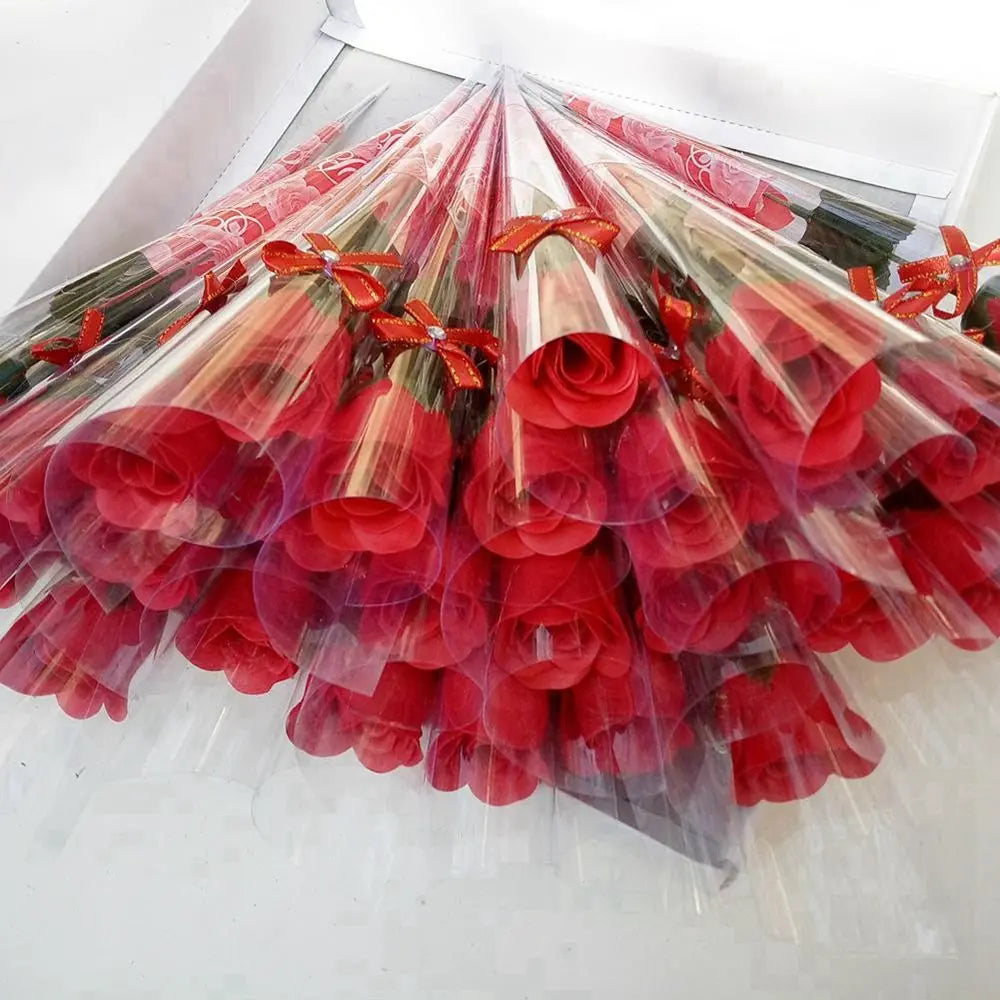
x: 123, y: 361
x: 813, y: 381
x: 521, y: 457
x: 361, y: 547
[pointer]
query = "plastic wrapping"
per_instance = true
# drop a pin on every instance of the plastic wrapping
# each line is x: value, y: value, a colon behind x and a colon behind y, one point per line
x: 918, y: 264
x: 52, y: 328
x: 542, y: 485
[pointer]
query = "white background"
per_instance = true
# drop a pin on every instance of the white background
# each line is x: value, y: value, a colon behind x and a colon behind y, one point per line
x: 221, y: 871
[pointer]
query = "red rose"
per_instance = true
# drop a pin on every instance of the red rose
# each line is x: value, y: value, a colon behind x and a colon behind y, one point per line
x: 22, y: 496
x: 156, y: 469
x: 798, y: 399
x: 286, y: 377
x: 983, y: 601
x: 789, y: 733
x: 808, y: 587
x: 509, y: 518
x: 379, y: 480
x: 579, y: 380
x: 957, y: 545
x: 417, y: 633
x: 556, y: 646
x: 940, y: 384
x: 881, y: 625
x: 624, y: 726
x: 572, y: 578
x: 496, y: 776
x: 225, y: 633
x: 703, y: 609
x: 955, y: 468
x: 697, y: 530
x: 559, y: 621
x: 68, y: 646
x: 178, y: 580
x: 385, y: 728
x: 502, y: 711
x: 136, y: 559
x: 489, y: 742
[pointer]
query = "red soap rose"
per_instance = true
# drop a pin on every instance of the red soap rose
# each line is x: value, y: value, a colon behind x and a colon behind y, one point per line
x: 513, y: 715
x: 22, y: 496
x: 178, y: 579
x: 417, y: 632
x: 624, y: 726
x: 510, y: 519
x: 697, y: 530
x: 983, y: 601
x: 881, y: 625
x: 650, y: 475
x: 555, y: 644
x: 496, y: 776
x: 937, y: 383
x: 802, y: 402
x: 380, y: 478
x: 789, y: 732
x: 740, y: 479
x: 959, y: 545
x: 808, y: 587
x: 68, y: 646
x: 570, y: 579
x: 384, y: 728
x: 955, y: 469
x: 225, y: 633
x: 704, y: 609
x: 489, y: 742
x: 155, y: 469
x: 277, y: 382
x: 579, y: 380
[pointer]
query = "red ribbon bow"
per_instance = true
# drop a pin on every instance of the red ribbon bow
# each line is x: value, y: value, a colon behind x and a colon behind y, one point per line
x: 576, y: 224
x: 63, y: 350
x: 362, y: 290
x: 424, y: 329
x: 677, y: 317
x: 927, y: 282
x: 215, y: 294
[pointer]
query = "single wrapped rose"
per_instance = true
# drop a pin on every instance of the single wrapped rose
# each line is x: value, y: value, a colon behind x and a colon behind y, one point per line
x: 508, y: 517
x: 224, y: 633
x: 957, y: 546
x: 554, y: 646
x: 66, y: 645
x: 579, y: 380
x: 714, y: 171
x: 881, y: 625
x: 157, y: 469
x: 701, y: 609
x: 384, y: 728
x: 178, y: 580
x: 418, y: 633
x: 789, y: 729
x: 553, y: 628
x: 378, y: 482
x: 281, y: 383
x: 489, y: 741
x: 625, y: 726
x: 802, y: 401
x: 799, y: 578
